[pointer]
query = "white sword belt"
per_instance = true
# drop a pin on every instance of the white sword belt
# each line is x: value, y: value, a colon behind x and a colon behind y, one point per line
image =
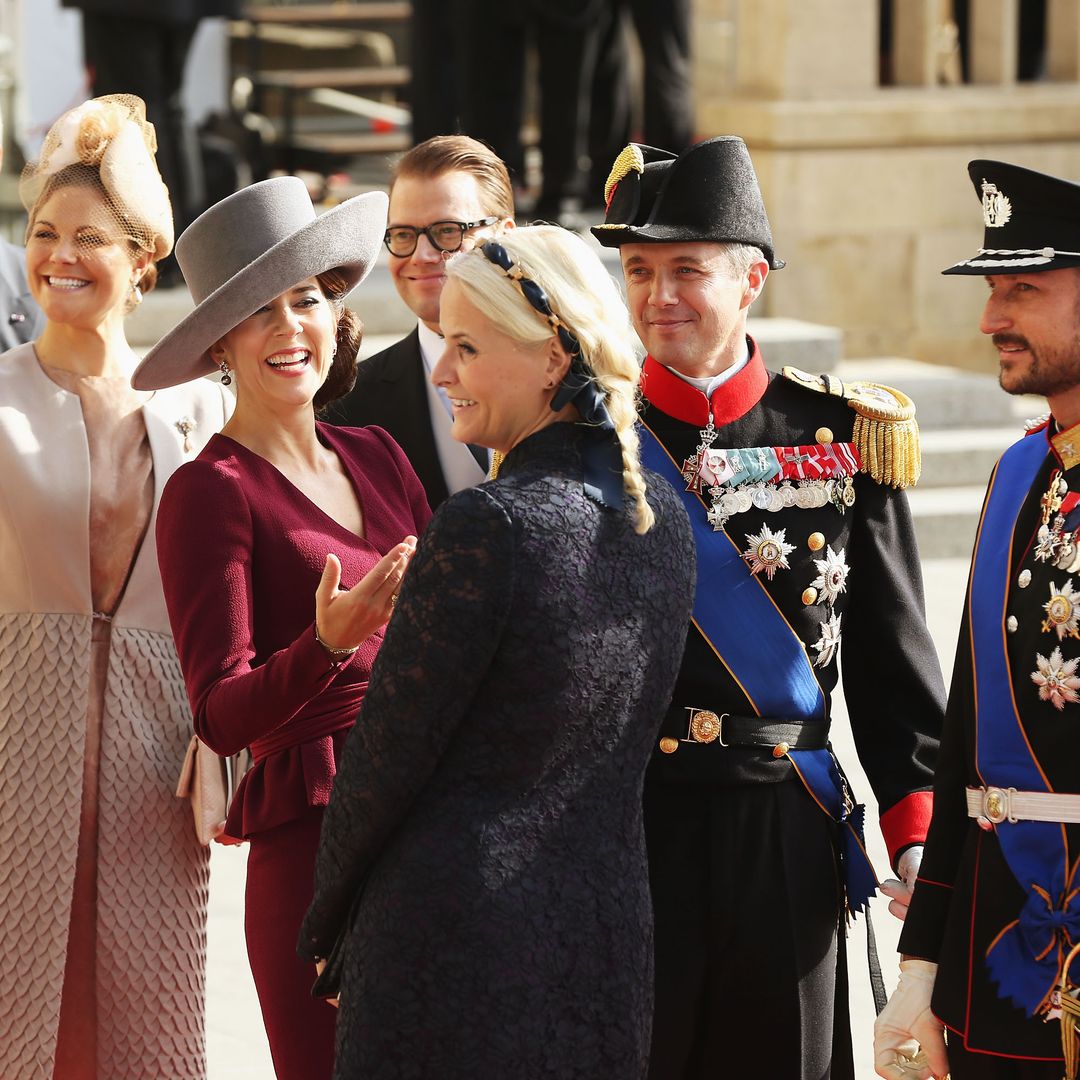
x: 996, y: 805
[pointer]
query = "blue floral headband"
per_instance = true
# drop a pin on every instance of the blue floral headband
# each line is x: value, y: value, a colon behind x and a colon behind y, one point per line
x: 603, y: 460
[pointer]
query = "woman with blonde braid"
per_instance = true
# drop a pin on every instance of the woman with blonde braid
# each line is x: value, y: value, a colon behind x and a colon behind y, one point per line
x: 482, y: 865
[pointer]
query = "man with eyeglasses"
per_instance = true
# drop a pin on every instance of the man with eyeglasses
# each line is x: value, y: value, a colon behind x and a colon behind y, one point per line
x: 445, y: 194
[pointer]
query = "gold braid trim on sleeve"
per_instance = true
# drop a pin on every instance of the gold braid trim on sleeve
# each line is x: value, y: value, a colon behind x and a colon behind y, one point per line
x: 886, y: 433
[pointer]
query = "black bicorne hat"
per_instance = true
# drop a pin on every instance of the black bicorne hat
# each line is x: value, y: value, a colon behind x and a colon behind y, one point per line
x: 1032, y: 221
x: 708, y: 193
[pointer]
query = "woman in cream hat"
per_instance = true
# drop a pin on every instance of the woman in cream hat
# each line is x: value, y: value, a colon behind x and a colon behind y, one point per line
x: 103, y: 883
x: 282, y: 546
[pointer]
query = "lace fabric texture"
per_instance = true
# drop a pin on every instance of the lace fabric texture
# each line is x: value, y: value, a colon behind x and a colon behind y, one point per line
x: 489, y: 800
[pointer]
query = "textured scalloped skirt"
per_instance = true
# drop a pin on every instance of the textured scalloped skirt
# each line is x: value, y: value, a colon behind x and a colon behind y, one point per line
x: 103, y: 897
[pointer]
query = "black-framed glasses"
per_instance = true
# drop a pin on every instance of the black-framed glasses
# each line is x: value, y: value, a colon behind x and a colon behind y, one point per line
x: 401, y: 240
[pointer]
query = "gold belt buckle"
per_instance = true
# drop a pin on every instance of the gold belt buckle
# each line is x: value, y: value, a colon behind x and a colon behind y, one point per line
x: 705, y: 726
x: 997, y: 805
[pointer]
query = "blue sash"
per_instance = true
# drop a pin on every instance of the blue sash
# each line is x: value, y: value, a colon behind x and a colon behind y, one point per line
x: 1025, y: 958
x: 752, y: 639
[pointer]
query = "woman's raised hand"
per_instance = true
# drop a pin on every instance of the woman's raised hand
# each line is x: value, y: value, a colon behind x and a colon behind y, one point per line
x: 344, y: 619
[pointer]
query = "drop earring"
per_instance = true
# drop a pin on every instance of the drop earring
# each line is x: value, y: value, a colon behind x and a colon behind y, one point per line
x: 136, y: 291
x: 226, y: 373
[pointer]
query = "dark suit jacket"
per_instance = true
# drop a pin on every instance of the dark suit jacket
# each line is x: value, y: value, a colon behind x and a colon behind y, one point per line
x: 21, y: 320
x: 391, y: 391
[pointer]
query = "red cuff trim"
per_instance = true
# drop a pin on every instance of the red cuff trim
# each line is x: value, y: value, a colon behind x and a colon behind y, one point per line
x: 687, y: 403
x: 929, y: 881
x: 907, y: 822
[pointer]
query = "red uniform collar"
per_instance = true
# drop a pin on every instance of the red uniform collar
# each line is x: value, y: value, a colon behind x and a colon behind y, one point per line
x: 730, y: 401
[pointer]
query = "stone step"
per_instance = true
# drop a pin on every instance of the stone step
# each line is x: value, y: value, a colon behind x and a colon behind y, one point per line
x: 944, y: 397
x: 953, y: 457
x: 946, y: 519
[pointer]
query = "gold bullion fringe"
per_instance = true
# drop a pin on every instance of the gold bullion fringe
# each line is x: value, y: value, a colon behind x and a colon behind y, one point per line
x: 889, y: 448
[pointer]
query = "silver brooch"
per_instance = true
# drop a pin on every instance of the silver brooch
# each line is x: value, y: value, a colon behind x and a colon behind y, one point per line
x: 186, y: 425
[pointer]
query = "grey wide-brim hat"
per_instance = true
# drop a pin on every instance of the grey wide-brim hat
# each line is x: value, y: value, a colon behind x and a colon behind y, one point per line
x: 248, y: 249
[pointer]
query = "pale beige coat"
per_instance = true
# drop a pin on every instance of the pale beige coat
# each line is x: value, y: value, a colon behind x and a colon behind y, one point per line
x: 153, y: 876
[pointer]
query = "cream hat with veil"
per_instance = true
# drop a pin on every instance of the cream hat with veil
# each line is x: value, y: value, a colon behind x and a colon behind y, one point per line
x: 109, y: 138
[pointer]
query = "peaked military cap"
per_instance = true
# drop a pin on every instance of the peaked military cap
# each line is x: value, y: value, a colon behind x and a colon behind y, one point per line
x: 707, y: 193
x: 1032, y: 221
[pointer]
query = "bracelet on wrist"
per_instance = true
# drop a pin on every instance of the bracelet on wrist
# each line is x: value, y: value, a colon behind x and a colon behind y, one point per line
x: 335, y: 654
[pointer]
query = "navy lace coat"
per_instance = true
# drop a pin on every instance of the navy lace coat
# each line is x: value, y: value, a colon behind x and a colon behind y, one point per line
x: 489, y: 800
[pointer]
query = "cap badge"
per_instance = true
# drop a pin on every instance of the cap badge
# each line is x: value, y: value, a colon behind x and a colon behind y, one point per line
x: 997, y: 209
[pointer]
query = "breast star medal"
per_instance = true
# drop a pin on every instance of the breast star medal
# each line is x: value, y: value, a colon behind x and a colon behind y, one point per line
x: 767, y: 551
x: 832, y: 575
x: 827, y: 644
x: 1061, y: 611
x: 1056, y: 679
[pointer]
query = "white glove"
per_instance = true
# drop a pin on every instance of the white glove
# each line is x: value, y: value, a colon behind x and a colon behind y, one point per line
x: 900, y: 891
x: 906, y: 1024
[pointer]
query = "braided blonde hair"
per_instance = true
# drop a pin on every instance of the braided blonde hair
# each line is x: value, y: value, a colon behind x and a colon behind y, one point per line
x: 587, y: 301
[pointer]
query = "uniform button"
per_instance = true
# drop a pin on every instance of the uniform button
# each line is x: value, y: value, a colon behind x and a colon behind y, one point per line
x: 815, y: 541
x: 669, y: 745
x: 1011, y: 624
x: 780, y: 749
x: 824, y: 435
x: 809, y: 596
x: 1024, y: 580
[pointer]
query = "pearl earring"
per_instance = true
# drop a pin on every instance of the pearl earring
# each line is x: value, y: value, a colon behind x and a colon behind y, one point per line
x: 226, y: 374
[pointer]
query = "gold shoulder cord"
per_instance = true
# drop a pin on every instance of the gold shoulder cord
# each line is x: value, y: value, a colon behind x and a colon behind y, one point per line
x: 886, y: 433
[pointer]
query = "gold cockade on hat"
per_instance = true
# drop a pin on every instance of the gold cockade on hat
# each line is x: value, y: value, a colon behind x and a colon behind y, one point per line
x: 886, y: 433
x: 630, y: 159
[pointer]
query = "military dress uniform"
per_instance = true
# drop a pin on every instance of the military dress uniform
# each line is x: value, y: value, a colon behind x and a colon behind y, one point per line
x: 966, y: 894
x: 805, y: 551
x: 743, y: 861
x: 995, y: 905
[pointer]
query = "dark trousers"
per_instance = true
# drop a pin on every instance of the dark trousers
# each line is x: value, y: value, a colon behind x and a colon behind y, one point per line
x: 128, y: 55
x: 967, y: 1065
x: 441, y: 54
x: 663, y: 31
x: 565, y: 36
x: 746, y: 898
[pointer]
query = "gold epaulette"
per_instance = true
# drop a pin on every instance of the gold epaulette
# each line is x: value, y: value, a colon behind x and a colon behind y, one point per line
x: 885, y: 433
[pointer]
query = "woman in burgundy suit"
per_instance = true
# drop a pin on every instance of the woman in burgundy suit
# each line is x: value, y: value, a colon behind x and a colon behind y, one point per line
x: 281, y: 549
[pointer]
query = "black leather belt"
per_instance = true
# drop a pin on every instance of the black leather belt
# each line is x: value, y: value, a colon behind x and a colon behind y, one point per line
x: 726, y: 729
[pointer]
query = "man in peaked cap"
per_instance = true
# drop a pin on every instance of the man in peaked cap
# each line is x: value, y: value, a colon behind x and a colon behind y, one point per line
x: 995, y: 911
x: 805, y: 548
